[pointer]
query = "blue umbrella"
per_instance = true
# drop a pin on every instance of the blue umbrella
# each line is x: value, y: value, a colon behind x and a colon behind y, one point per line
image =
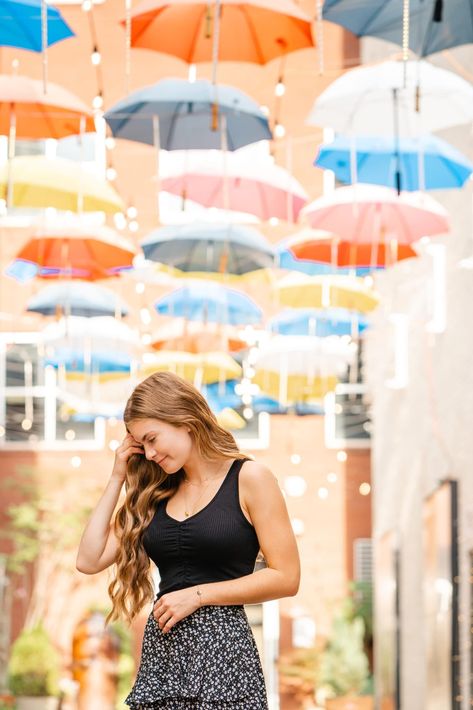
x: 434, y: 24
x: 286, y: 260
x: 230, y: 248
x: 20, y: 25
x: 77, y: 299
x: 186, y: 113
x: 378, y: 157
x: 75, y: 361
x: 319, y: 322
x: 209, y: 302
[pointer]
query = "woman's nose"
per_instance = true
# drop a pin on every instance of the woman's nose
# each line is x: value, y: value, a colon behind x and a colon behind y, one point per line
x: 149, y: 452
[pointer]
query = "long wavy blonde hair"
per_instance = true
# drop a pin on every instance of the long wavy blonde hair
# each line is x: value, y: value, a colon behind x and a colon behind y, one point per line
x: 171, y: 399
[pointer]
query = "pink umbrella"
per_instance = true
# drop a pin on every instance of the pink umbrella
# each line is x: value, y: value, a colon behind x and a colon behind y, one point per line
x: 366, y: 214
x: 216, y: 179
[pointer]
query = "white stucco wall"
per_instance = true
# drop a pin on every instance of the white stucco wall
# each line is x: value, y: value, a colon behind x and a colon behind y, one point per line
x: 423, y: 432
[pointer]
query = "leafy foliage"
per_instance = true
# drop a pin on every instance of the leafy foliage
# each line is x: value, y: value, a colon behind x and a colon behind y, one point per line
x: 34, y: 664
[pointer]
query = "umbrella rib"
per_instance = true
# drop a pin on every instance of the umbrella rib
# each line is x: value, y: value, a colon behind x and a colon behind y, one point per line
x: 29, y: 36
x: 193, y: 44
x: 253, y: 34
x: 366, y: 28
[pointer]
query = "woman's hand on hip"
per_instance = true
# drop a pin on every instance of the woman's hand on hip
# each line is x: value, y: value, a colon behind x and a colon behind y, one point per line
x: 175, y: 606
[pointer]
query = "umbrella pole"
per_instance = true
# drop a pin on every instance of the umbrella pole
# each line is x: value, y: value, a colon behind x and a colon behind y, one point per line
x: 157, y: 145
x: 396, y: 140
x: 289, y: 195
x: 44, y: 43
x: 127, y: 46
x: 216, y: 40
x: 11, y: 155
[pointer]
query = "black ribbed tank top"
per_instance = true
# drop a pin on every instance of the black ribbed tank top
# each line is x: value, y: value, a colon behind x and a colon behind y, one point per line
x: 215, y: 544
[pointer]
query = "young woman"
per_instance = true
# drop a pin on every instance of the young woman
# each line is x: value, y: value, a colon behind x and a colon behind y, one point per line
x: 201, y: 511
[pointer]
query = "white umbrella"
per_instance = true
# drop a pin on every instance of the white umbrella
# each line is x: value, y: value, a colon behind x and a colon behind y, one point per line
x: 376, y: 100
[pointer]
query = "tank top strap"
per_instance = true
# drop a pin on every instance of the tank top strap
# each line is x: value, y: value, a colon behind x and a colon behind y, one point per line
x: 232, y: 489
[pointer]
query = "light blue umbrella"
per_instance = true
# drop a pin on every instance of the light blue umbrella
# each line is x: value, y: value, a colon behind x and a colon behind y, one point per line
x: 206, y: 247
x: 186, y: 113
x: 319, y: 322
x: 377, y: 159
x: 77, y: 299
x: 285, y: 259
x: 20, y: 25
x: 210, y: 302
x: 99, y: 361
x: 434, y: 25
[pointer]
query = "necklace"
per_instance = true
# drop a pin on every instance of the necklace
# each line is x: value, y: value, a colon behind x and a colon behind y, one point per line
x: 189, y: 510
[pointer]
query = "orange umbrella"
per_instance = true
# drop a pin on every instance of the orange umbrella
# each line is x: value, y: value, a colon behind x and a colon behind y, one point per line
x: 78, y: 252
x: 194, y: 337
x: 340, y: 253
x: 31, y: 114
x: 254, y: 31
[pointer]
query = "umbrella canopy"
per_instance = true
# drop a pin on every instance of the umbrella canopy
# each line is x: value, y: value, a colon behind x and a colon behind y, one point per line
x: 77, y: 299
x: 217, y: 248
x: 346, y: 257
x: 434, y: 25
x: 84, y: 252
x: 39, y: 182
x: 195, y: 337
x: 20, y: 25
x: 425, y: 163
x: 301, y: 291
x: 372, y: 99
x: 368, y: 214
x: 186, y: 112
x: 36, y: 114
x: 254, y: 31
x: 286, y: 259
x: 199, y: 368
x: 97, y: 333
x: 210, y: 302
x: 217, y: 180
x: 320, y: 322
x: 76, y: 362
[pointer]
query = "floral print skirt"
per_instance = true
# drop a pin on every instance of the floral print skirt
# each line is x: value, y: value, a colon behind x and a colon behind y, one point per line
x: 208, y: 661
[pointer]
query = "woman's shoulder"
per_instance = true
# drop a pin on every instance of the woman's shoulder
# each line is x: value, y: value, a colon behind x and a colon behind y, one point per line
x: 255, y: 473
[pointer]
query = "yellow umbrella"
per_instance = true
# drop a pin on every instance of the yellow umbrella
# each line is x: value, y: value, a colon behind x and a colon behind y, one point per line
x: 296, y: 388
x: 259, y: 276
x: 301, y: 291
x: 64, y: 184
x: 230, y: 419
x: 198, y: 368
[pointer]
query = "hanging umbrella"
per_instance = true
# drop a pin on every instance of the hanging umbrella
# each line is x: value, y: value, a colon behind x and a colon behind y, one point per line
x: 77, y: 299
x: 298, y: 368
x: 301, y: 291
x: 20, y: 25
x: 285, y: 259
x: 342, y: 258
x: 369, y: 214
x: 209, y: 302
x: 202, y: 248
x: 78, y: 364
x: 39, y: 182
x: 187, y: 112
x: 320, y: 322
x: 254, y: 31
x: 195, y: 367
x: 98, y: 333
x: 373, y: 100
x: 32, y: 113
x: 195, y: 337
x: 78, y: 251
x: 434, y: 25
x: 426, y: 162
x: 214, y: 179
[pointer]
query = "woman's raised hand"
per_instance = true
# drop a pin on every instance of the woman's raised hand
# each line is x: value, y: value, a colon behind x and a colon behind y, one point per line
x: 127, y: 448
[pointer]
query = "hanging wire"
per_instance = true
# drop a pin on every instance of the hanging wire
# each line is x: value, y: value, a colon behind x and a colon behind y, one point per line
x: 44, y: 43
x: 127, y: 46
x: 405, y: 37
x: 215, y: 52
x: 320, y: 35
x: 95, y: 49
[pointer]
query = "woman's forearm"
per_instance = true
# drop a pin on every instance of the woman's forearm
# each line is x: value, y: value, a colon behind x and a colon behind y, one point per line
x: 260, y: 586
x: 97, y: 531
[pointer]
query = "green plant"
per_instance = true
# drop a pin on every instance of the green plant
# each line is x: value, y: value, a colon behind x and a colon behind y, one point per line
x: 344, y: 667
x: 34, y: 664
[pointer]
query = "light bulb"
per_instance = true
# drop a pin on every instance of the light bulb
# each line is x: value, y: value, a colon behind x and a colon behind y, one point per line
x: 279, y: 130
x: 365, y: 489
x: 140, y: 287
x: 97, y: 101
x: 87, y: 5
x: 322, y: 493
x: 95, y: 57
x: 119, y: 220
x: 70, y: 435
x: 132, y: 212
x: 146, y: 338
x: 133, y: 226
x: 145, y: 316
x: 111, y: 174
x: 280, y: 88
x: 110, y: 143
x: 76, y: 461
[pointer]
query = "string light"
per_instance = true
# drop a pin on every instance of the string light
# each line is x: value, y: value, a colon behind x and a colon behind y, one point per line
x: 95, y: 57
x: 70, y: 435
x: 87, y: 5
x: 280, y: 88
x: 119, y: 220
x: 111, y: 173
x: 365, y: 489
x: 140, y: 287
x: 76, y: 461
x: 132, y: 212
x: 97, y: 101
x: 110, y: 142
x: 133, y: 226
x: 279, y: 130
